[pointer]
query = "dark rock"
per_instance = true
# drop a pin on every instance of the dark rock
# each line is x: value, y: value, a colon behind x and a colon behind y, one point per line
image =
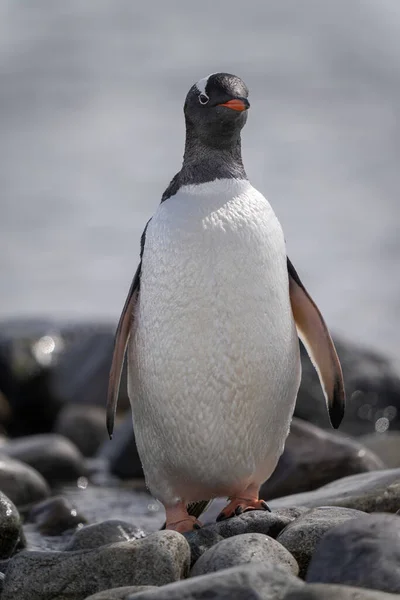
x: 106, y: 532
x: 244, y: 549
x: 11, y: 536
x: 385, y: 445
x: 364, y: 552
x: 301, y: 536
x: 121, y: 593
x: 372, y: 388
x: 246, y: 582
x: 370, y: 492
x: 85, y: 426
x: 314, y: 457
x: 121, y: 451
x: 20, y: 483
x: 322, y: 591
x: 52, y: 455
x: 55, y: 516
x: 201, y: 540
x: 159, y: 559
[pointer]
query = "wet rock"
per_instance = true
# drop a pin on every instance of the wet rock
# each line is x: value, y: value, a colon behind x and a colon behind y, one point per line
x: 372, y: 388
x: 11, y: 535
x: 55, y: 516
x: 314, y: 457
x: 377, y: 491
x: 245, y: 582
x: 121, y: 593
x: 106, y: 532
x: 244, y: 549
x: 385, y: 445
x: 301, y: 536
x: 121, y: 451
x: 321, y: 591
x: 52, y: 455
x: 20, y: 483
x: 85, y: 426
x: 200, y: 541
x: 364, y: 552
x: 159, y: 559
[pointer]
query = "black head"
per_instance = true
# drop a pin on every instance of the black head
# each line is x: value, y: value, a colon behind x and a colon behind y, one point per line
x: 216, y: 109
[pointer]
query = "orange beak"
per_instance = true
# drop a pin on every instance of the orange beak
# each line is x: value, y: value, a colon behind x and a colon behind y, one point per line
x: 237, y: 104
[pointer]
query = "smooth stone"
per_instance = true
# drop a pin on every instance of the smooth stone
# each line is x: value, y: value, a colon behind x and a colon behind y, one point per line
x: 372, y: 389
x: 85, y: 426
x: 364, y: 552
x: 314, y: 457
x: 244, y: 549
x: 21, y: 483
x: 11, y: 535
x: 385, y: 445
x: 245, y: 582
x: 52, y: 455
x: 322, y: 591
x: 101, y: 534
x: 377, y: 491
x: 303, y: 534
x: 55, y: 515
x: 121, y: 452
x: 121, y: 593
x: 159, y: 559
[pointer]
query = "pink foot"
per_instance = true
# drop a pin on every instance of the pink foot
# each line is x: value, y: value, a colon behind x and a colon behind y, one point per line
x: 179, y: 520
x: 237, y: 506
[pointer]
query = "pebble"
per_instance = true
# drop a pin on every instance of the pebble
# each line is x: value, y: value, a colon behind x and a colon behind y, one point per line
x: 364, y: 552
x: 55, y: 516
x: 159, y: 559
x: 11, y: 535
x: 21, y: 483
x: 322, y: 591
x: 121, y: 593
x: 303, y: 534
x: 101, y: 534
x: 85, y: 426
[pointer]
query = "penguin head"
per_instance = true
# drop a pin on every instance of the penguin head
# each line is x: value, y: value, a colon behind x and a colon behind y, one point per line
x: 216, y: 109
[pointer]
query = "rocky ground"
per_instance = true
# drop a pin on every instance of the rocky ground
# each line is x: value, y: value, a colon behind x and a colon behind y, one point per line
x: 76, y: 522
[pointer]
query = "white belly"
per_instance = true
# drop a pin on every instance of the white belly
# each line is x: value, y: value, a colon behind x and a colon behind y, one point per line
x: 214, y: 359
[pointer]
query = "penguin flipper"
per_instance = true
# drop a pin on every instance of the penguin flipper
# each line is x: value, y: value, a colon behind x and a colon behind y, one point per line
x: 314, y: 334
x: 120, y: 346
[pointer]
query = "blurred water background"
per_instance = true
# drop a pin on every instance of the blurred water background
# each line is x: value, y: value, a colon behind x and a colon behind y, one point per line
x: 91, y: 132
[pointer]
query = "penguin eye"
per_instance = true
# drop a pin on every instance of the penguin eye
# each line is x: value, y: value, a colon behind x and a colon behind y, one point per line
x: 203, y: 98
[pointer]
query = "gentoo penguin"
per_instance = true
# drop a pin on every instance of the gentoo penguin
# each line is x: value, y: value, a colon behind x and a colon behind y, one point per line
x: 211, y: 325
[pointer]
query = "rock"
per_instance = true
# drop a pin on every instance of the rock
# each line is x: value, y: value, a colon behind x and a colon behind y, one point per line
x: 121, y: 593
x: 52, y: 455
x: 121, y: 451
x: 385, y: 445
x: 370, y: 492
x: 303, y: 534
x: 106, y: 532
x: 159, y: 559
x: 314, y: 457
x: 244, y: 549
x: 246, y: 582
x: 55, y: 516
x: 321, y: 591
x: 11, y: 535
x: 372, y: 388
x: 20, y: 483
x: 85, y: 426
x: 364, y: 552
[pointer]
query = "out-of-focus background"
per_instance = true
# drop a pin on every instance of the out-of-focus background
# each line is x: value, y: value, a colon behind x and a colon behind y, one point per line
x: 92, y: 131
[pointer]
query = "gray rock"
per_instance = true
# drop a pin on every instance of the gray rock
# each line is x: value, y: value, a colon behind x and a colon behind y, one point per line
x: 364, y: 552
x: 85, y: 426
x: 121, y: 451
x: 121, y: 593
x: 247, y: 582
x: 159, y: 559
x: 52, y: 455
x: 385, y: 445
x: 11, y: 536
x: 301, y: 536
x: 20, y: 483
x: 243, y: 549
x: 55, y: 515
x: 201, y: 540
x: 377, y: 491
x: 314, y: 457
x: 106, y: 532
x: 322, y: 591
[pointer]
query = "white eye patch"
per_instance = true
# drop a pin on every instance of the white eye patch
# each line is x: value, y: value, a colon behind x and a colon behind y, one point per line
x: 202, y: 84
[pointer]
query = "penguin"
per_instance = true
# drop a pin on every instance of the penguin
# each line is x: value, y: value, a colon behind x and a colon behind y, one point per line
x: 211, y: 326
